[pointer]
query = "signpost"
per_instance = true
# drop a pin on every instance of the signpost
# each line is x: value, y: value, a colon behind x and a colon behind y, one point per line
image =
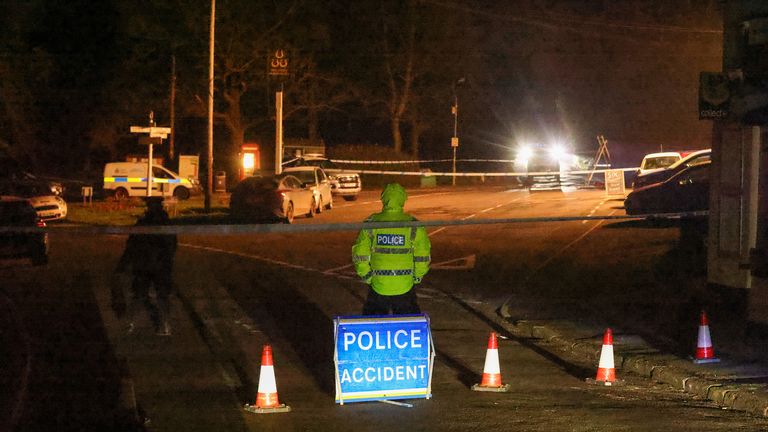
x: 714, y: 96
x: 278, y: 66
x: 155, y: 136
x: 383, y: 358
x: 614, y: 182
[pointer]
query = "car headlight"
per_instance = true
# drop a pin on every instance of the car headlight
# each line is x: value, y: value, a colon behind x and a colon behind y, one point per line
x: 56, y: 189
x: 524, y: 153
x: 558, y: 153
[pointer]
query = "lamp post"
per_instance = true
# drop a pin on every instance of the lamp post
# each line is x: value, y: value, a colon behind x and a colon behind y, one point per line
x: 455, y: 138
x: 455, y: 112
x: 209, y: 186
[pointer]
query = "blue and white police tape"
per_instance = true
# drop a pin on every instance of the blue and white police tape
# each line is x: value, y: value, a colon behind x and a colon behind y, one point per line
x: 404, y: 162
x: 478, y: 174
x: 238, y: 229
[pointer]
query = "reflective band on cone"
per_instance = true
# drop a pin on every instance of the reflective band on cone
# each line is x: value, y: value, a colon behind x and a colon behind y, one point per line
x: 606, y: 372
x: 704, y: 351
x: 266, y: 397
x: 491, y: 371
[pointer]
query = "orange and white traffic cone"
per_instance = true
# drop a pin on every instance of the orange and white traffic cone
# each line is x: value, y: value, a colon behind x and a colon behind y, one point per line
x: 491, y: 381
x: 266, y: 397
x: 606, y: 372
x: 704, y: 351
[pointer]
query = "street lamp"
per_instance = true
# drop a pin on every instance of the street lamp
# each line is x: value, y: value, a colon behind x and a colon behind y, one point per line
x: 455, y: 112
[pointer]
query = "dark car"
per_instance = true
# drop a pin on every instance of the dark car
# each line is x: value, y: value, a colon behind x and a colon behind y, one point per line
x: 271, y: 198
x: 652, y: 177
x: 18, y: 212
x: 686, y: 191
x: 13, y: 174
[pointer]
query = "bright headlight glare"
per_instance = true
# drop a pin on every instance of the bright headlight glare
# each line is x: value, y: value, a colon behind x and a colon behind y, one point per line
x: 558, y: 152
x: 524, y: 153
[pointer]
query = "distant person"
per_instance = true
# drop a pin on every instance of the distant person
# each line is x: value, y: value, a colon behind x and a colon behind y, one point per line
x: 391, y: 260
x: 150, y: 259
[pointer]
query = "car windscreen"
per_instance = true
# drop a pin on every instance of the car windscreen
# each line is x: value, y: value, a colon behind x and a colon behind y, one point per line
x: 304, y: 176
x: 692, y: 159
x: 258, y: 183
x: 322, y: 163
x: 660, y: 162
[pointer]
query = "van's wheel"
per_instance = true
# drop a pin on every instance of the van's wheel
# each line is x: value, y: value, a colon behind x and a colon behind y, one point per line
x: 351, y: 198
x: 329, y: 206
x: 312, y: 208
x: 121, y: 194
x: 181, y: 193
x: 320, y: 206
x: 289, y: 214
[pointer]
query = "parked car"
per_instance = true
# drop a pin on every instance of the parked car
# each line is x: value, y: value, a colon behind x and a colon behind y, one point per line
x: 12, y: 173
x: 661, y: 175
x: 344, y: 183
x: 658, y: 161
x: 18, y: 212
x: 269, y: 198
x: 49, y: 207
x: 314, y: 178
x: 686, y: 191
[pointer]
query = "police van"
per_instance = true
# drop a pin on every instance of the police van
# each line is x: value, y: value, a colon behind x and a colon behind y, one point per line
x: 129, y: 179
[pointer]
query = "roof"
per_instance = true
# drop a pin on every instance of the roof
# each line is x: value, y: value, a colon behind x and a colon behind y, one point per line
x: 300, y: 168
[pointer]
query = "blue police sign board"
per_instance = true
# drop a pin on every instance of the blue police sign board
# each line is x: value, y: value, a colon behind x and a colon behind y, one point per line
x: 383, y: 357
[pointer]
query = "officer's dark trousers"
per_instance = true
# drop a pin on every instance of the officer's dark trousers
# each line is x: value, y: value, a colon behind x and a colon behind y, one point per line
x: 162, y: 283
x: 377, y: 304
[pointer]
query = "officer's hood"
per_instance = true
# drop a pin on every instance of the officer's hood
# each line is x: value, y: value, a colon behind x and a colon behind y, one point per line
x: 393, y: 197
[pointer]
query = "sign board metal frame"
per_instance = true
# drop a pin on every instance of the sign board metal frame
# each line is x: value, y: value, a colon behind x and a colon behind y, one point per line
x: 383, y: 358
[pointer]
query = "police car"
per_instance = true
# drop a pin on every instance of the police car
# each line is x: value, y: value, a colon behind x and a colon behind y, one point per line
x: 545, y: 167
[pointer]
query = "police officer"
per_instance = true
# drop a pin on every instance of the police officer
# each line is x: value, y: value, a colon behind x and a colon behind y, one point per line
x: 391, y: 260
x: 150, y: 257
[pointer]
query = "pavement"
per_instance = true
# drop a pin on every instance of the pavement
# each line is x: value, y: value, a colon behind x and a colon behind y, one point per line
x: 733, y: 383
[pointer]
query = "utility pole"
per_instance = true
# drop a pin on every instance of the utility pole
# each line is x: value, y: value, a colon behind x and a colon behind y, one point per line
x: 455, y: 137
x: 171, y: 141
x: 209, y: 186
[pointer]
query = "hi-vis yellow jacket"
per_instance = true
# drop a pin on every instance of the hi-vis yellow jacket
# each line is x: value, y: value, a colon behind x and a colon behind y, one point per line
x: 392, y: 260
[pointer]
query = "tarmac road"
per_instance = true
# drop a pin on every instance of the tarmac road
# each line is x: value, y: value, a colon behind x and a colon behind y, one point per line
x: 237, y: 293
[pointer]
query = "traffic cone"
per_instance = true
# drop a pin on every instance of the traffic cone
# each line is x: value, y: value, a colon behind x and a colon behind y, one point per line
x: 606, y: 372
x: 266, y: 397
x: 704, y: 351
x: 491, y: 372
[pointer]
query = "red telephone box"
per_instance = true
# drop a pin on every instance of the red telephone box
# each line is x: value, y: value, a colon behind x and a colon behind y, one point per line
x: 250, y: 160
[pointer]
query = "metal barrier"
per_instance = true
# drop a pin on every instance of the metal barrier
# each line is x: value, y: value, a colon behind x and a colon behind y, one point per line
x: 356, y: 226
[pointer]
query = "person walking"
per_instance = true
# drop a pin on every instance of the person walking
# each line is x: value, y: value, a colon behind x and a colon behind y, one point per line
x: 391, y: 260
x: 150, y: 259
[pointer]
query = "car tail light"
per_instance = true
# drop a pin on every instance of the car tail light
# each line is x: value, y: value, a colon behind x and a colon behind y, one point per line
x: 40, y: 223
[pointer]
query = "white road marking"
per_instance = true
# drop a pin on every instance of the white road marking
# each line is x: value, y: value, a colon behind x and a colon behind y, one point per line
x: 335, y: 269
x: 466, y: 263
x: 566, y: 247
x: 378, y: 201
x: 475, y: 214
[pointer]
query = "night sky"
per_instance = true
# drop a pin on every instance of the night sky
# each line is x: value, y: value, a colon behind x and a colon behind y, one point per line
x: 77, y: 74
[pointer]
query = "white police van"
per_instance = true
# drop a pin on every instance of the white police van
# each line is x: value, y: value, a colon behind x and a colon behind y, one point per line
x: 128, y: 179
